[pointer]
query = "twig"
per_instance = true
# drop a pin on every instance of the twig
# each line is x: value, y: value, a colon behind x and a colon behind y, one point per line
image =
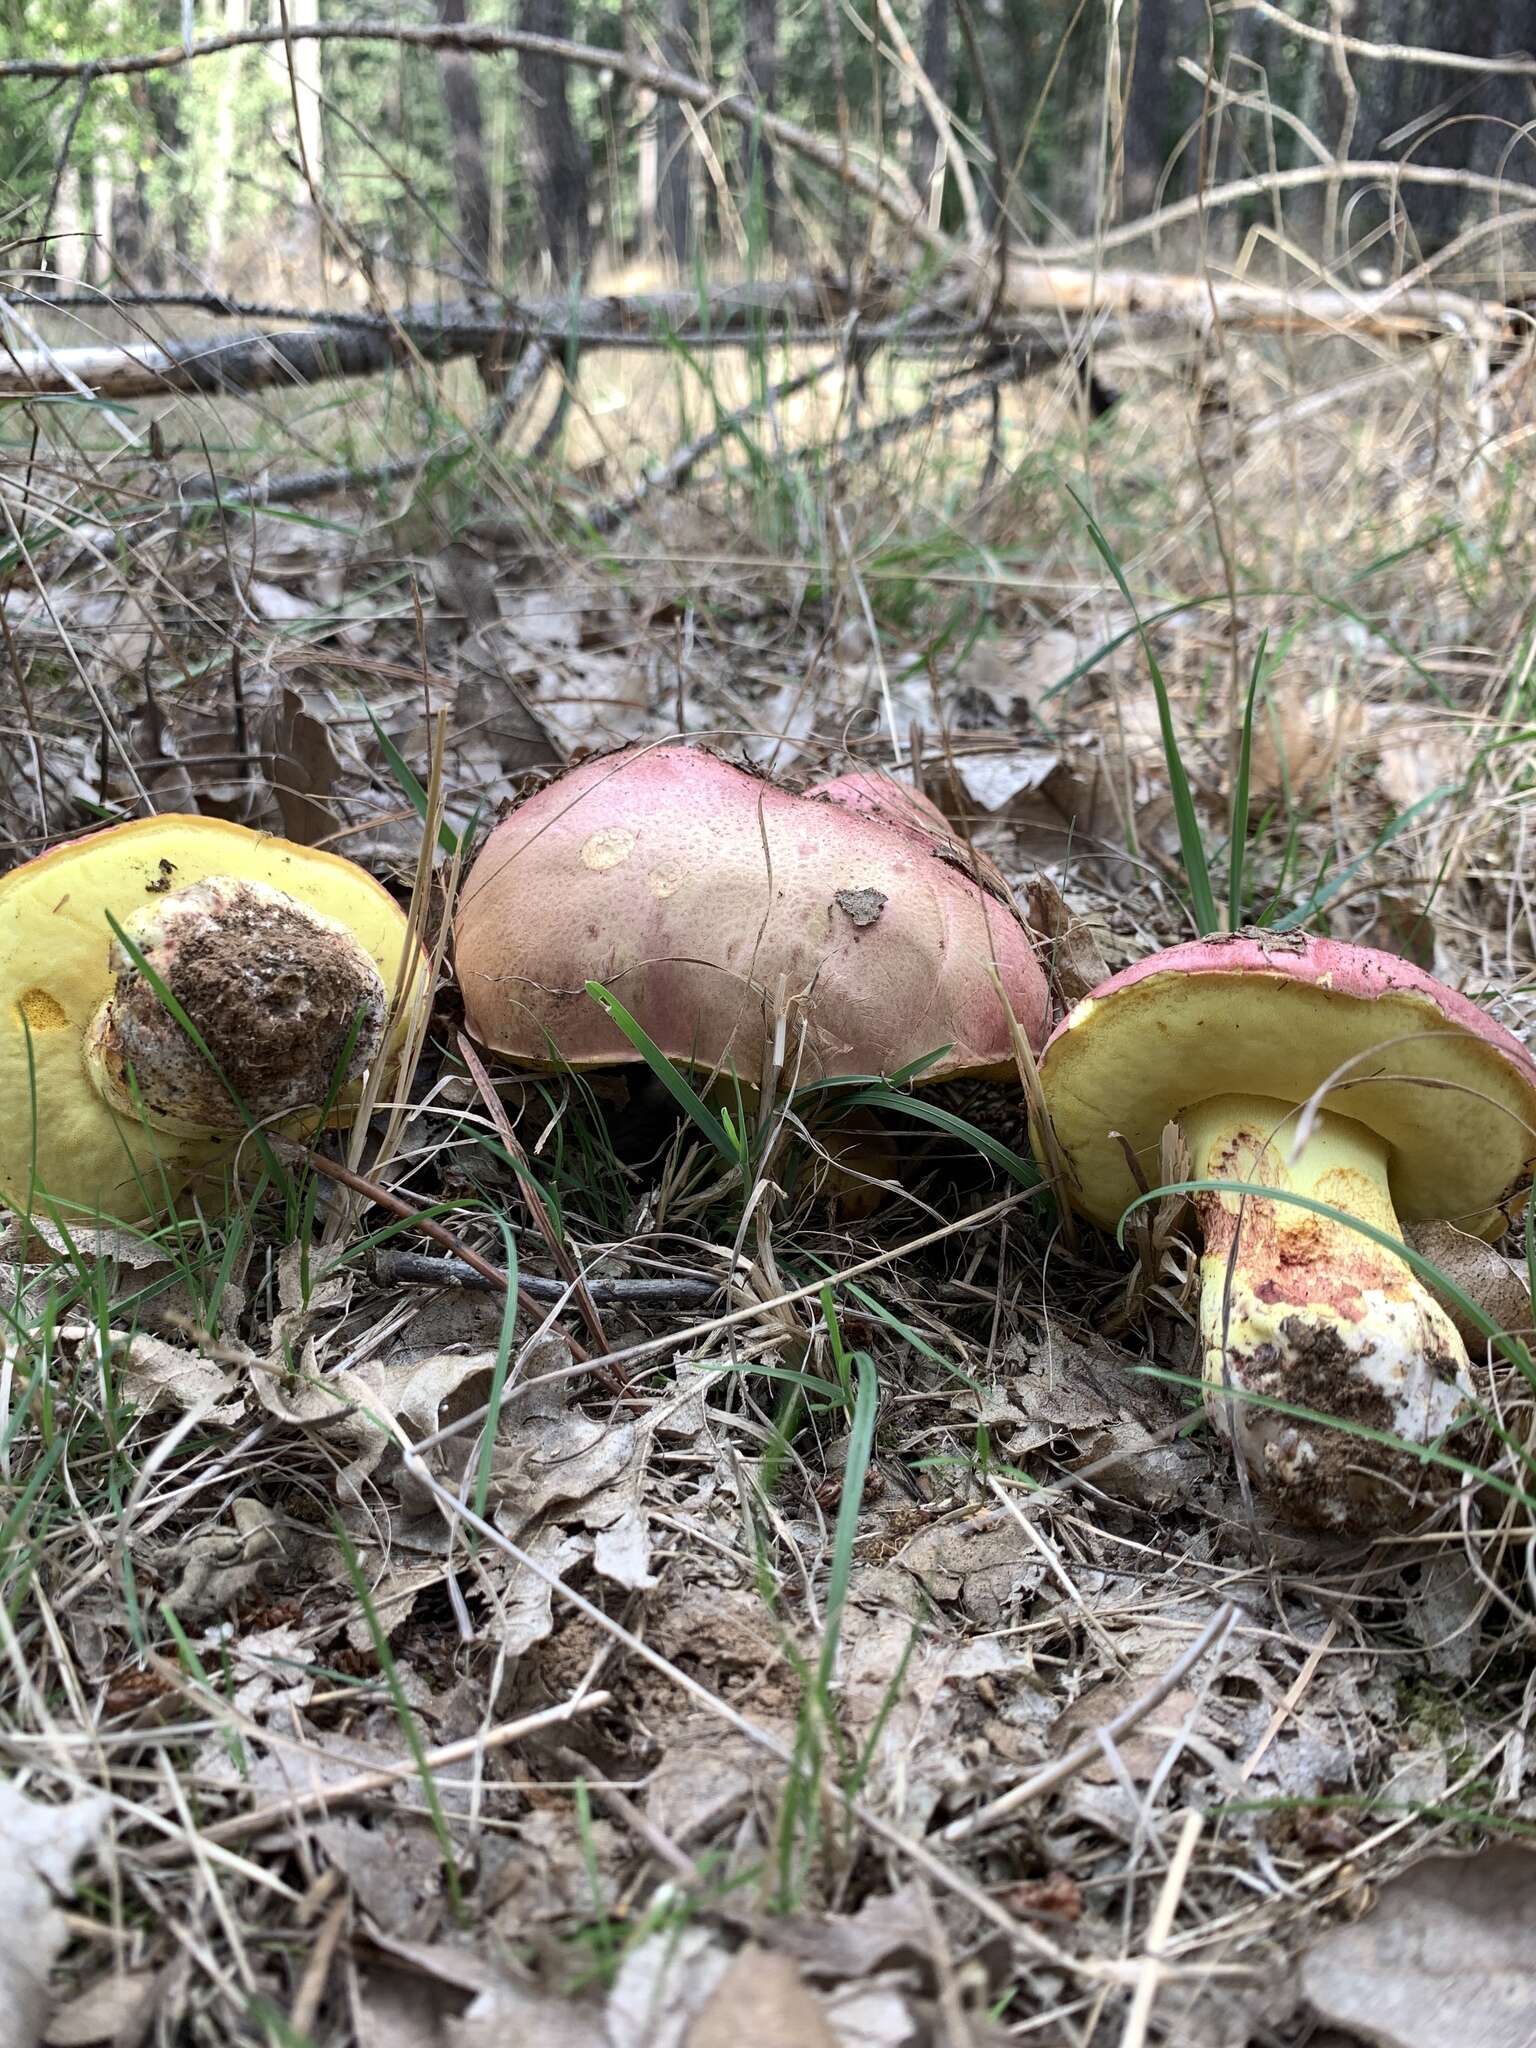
x: 326, y: 483
x: 1091, y: 1746
x: 420, y: 1269
x: 242, y: 1825
x: 1149, y: 1976
x: 427, y: 1225
x: 680, y: 465
x: 1510, y: 65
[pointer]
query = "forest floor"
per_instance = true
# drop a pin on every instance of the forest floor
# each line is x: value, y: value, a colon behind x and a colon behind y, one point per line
x: 661, y: 1744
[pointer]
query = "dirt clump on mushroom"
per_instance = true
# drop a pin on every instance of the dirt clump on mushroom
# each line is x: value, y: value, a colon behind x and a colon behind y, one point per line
x: 281, y: 998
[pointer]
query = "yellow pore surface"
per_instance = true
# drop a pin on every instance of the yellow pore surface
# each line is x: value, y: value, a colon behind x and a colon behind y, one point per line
x: 1456, y: 1116
x: 57, y: 1136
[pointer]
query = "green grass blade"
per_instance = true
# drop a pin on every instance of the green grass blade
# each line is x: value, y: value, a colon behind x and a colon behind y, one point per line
x: 676, y: 1084
x: 1191, y: 843
x: 1237, y: 830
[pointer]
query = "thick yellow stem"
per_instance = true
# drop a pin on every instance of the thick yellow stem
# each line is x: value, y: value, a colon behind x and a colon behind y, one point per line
x: 1302, y: 1308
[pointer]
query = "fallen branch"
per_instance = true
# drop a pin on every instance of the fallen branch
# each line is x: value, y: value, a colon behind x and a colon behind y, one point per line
x: 421, y: 1269
x: 331, y: 482
x: 364, y: 345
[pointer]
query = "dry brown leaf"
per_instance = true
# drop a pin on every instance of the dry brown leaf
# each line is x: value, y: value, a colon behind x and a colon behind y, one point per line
x: 1077, y: 957
x: 152, y: 1374
x: 1448, y: 1953
x: 1499, y: 1286
x: 115, y: 2011
x: 1299, y: 737
x: 39, y: 1848
x: 303, y: 768
x: 222, y: 1565
x: 760, y: 2002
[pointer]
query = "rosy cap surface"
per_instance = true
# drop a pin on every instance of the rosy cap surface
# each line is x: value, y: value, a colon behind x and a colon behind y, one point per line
x: 1451, y: 1091
x: 889, y: 802
x: 694, y: 891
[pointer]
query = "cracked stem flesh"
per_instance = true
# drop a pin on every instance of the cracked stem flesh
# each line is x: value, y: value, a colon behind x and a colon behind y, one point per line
x: 1315, y: 1313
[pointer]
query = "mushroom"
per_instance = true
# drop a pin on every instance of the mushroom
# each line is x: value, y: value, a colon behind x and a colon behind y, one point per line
x: 888, y: 802
x: 284, y: 959
x: 704, y: 896
x: 1348, y: 1077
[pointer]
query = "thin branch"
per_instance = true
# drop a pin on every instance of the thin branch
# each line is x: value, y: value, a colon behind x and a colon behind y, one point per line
x: 1510, y: 66
x: 421, y: 1269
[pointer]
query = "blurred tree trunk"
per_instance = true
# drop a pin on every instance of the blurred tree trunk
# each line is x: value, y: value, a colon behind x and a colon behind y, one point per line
x: 1421, y: 114
x: 1149, y: 106
x: 760, y: 53
x: 674, y: 195
x: 226, y: 102
x: 466, y: 128
x: 556, y: 158
x: 927, y: 156
x: 100, y: 266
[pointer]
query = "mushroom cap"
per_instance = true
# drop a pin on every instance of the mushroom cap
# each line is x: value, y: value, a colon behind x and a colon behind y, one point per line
x: 693, y: 890
x: 1451, y: 1091
x: 873, y: 794
x: 56, y: 970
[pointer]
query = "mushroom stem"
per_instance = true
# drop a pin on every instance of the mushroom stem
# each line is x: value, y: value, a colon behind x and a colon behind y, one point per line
x: 288, y: 1003
x: 1302, y: 1308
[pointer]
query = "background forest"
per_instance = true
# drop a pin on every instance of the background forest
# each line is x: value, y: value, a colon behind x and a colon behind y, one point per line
x: 438, y: 165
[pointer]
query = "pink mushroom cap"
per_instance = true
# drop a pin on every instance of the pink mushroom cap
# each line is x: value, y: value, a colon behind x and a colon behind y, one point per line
x: 876, y: 795
x: 1374, y: 1037
x: 702, y: 896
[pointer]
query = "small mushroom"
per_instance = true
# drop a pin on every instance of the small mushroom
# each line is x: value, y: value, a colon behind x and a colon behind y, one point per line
x: 703, y: 896
x: 1343, y: 1075
x: 284, y: 960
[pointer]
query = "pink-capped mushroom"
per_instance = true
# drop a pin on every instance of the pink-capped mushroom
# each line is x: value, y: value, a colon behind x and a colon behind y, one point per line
x: 881, y: 797
x: 705, y: 897
x: 1340, y: 1074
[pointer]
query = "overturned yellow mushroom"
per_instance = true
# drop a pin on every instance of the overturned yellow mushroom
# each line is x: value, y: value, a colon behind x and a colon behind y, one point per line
x: 1352, y: 1080
x: 284, y: 960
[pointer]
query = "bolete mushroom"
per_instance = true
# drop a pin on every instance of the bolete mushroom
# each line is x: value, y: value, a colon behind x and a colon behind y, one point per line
x: 1348, y: 1077
x: 887, y: 801
x: 284, y: 959
x: 701, y: 895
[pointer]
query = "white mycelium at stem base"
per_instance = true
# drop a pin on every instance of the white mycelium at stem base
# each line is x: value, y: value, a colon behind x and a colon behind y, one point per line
x: 1314, y: 1313
x: 288, y: 1003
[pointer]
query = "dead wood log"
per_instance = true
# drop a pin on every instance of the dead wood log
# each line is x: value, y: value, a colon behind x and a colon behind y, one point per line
x: 1036, y: 296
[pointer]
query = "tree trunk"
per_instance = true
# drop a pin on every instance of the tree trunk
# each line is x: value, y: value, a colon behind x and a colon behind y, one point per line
x: 68, y: 243
x: 225, y: 104
x: 556, y: 158
x: 674, y: 196
x: 461, y: 103
x: 1149, y: 106
x: 760, y: 61
x: 927, y: 155
x: 101, y: 217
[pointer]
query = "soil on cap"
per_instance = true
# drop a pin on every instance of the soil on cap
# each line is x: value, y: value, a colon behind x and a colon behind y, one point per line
x: 274, y: 995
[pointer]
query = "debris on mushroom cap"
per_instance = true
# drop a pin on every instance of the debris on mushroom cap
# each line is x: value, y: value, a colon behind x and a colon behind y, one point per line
x: 1353, y: 1082
x: 270, y: 941
x: 287, y: 1002
x: 702, y: 896
x: 1450, y: 1090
